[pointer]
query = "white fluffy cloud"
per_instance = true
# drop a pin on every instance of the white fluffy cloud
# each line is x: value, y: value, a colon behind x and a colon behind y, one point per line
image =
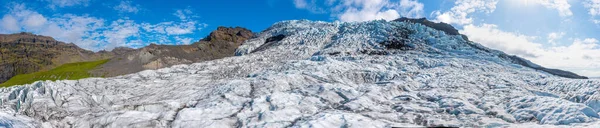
x: 34, y: 21
x: 300, y: 4
x: 9, y: 24
x: 562, y: 6
x: 490, y: 36
x: 127, y: 7
x: 20, y: 17
x: 593, y: 7
x: 119, y: 31
x: 460, y: 13
x: 66, y: 3
x: 183, y: 40
x: 363, y: 10
x: 410, y: 8
x: 552, y: 37
x: 310, y: 5
x: 172, y: 28
x: 92, y: 33
x: 582, y: 56
x: 72, y: 29
x: 185, y: 26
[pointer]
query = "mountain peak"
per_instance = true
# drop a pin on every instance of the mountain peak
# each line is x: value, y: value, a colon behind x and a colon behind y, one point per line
x: 25, y: 36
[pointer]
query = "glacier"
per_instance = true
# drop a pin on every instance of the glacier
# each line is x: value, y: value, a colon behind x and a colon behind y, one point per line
x: 302, y: 73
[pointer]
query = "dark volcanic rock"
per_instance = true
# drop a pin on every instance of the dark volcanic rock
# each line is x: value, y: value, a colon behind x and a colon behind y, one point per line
x: 275, y: 38
x: 398, y: 44
x: 439, y: 26
x: 237, y: 34
x: 269, y: 42
x: 447, y: 28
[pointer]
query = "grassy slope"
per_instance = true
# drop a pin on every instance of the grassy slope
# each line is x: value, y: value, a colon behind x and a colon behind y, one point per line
x: 70, y: 71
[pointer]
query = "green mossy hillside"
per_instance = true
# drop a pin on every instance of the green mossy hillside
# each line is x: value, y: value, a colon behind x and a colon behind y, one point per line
x: 70, y: 71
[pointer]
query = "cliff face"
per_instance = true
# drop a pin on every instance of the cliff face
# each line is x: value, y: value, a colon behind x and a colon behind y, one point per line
x: 24, y: 53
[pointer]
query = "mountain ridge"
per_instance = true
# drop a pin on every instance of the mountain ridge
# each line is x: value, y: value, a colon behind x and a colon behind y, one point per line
x: 218, y: 44
x: 52, y: 53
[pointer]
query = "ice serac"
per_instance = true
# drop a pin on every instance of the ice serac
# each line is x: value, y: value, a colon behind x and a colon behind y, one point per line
x: 303, y: 73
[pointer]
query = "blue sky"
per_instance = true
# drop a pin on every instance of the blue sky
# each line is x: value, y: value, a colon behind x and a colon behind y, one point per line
x: 554, y: 33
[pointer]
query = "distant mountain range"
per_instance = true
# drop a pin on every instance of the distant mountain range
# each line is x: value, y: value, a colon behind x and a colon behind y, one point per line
x: 24, y: 53
x: 220, y: 43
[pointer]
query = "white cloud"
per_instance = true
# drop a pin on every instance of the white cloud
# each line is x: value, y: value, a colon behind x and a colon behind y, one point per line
x: 184, y: 14
x: 364, y: 10
x: 301, y: 4
x: 29, y: 19
x: 183, y: 28
x: 562, y: 6
x: 459, y: 14
x: 593, y: 7
x: 490, y: 36
x: 310, y: 5
x: 118, y: 33
x: 9, y: 24
x: 582, y: 56
x: 67, y: 3
x: 411, y: 8
x: 183, y: 41
x: 72, y: 29
x: 172, y: 28
x: 127, y: 7
x: 34, y: 21
x: 552, y: 37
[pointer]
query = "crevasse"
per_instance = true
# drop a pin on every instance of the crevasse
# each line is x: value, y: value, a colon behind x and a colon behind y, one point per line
x: 320, y: 74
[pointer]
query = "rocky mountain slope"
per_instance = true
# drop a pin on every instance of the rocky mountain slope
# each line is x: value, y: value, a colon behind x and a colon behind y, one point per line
x: 317, y: 74
x: 24, y: 53
x: 219, y: 44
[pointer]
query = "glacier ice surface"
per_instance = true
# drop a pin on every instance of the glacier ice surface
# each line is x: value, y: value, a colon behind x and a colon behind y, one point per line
x: 319, y: 75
